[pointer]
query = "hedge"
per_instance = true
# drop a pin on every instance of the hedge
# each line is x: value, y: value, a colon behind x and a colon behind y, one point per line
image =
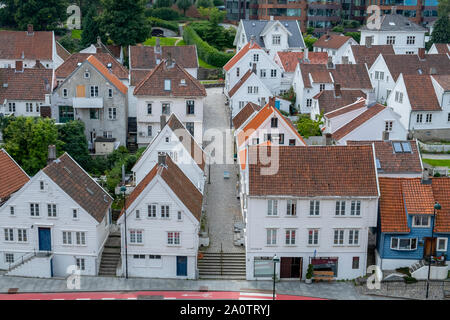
x: 156, y: 22
x: 206, y: 52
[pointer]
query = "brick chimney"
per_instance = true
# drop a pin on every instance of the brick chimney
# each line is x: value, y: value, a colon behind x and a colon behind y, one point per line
x: 162, y: 159
x: 162, y: 121
x: 30, y: 30
x: 421, y: 53
x: 272, y: 101
x: 433, y: 71
x: 328, y: 139
x: 51, y: 154
x: 337, y: 90
x: 368, y: 41
x: 19, y: 66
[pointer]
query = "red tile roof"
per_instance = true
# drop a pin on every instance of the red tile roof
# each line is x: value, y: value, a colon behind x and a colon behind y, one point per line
x: 392, y: 162
x: 333, y: 105
x: 12, y: 177
x: 62, y: 52
x: 240, y: 54
x: 358, y: 121
x: 69, y: 66
x: 107, y: 74
x: 443, y: 80
x: 421, y: 94
x: 331, y: 41
x: 392, y: 210
x: 144, y: 57
x: 364, y: 54
x: 418, y: 197
x: 313, y: 171
x: 240, y: 83
x: 177, y: 181
x: 80, y: 186
x: 18, y: 45
x: 153, y: 83
x: 318, y: 72
x: 351, y: 76
x: 31, y: 84
x: 289, y: 59
x: 245, y: 113
x: 441, y: 191
x: 442, y: 48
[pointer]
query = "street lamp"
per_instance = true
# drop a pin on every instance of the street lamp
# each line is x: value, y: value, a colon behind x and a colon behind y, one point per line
x: 437, y: 206
x: 123, y: 189
x: 275, y: 259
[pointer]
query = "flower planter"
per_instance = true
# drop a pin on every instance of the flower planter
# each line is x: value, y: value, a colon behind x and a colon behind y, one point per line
x: 308, y: 281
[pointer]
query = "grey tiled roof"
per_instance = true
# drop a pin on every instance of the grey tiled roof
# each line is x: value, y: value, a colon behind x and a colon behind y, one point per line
x: 396, y: 22
x: 256, y: 27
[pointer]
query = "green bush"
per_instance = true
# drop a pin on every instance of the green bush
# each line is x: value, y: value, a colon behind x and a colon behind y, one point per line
x: 205, y: 51
x: 164, y: 14
x: 156, y: 22
x: 410, y: 280
x: 162, y: 4
x: 310, y: 271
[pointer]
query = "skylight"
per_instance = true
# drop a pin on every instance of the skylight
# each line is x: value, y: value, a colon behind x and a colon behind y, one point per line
x: 402, y: 147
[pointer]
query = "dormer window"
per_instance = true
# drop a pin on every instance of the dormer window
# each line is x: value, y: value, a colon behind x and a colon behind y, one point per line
x: 255, y: 57
x: 276, y: 39
x: 167, y: 85
x: 421, y: 221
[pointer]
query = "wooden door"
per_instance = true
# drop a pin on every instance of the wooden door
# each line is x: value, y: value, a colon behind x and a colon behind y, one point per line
x: 285, y: 267
x: 430, y: 247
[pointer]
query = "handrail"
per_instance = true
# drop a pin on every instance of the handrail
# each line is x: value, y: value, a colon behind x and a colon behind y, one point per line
x: 24, y: 258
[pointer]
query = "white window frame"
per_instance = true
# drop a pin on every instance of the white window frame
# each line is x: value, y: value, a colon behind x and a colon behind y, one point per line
x: 314, y: 208
x: 353, y: 237
x: 290, y: 235
x: 81, y: 263
x: 67, y: 239
x: 388, y: 124
x: 340, y: 208
x: 80, y: 238
x: 272, y: 207
x: 22, y: 235
x: 52, y: 211
x: 314, y: 238
x: 8, y: 234
x: 173, y: 236
x: 271, y: 236
x: 164, y: 211
x: 421, y: 219
x: 355, y: 208
x: 445, y: 244
x: 7, y: 256
x: 398, y: 244
x: 338, y: 237
x: 135, y: 235
x: 112, y: 113
x: 33, y: 212
x: 291, y: 208
x: 152, y: 210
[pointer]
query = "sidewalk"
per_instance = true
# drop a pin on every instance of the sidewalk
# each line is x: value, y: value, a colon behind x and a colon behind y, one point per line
x: 334, y: 290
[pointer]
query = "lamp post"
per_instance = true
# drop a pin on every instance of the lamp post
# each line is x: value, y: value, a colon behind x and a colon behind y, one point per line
x: 123, y: 189
x: 275, y: 259
x: 437, y: 206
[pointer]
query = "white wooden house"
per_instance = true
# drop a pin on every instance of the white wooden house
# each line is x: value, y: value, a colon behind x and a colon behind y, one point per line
x: 58, y: 220
x: 162, y: 219
x: 323, y: 221
x: 176, y: 141
x: 337, y: 46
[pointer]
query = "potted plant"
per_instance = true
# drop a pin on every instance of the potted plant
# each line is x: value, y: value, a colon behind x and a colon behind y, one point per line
x: 309, y: 274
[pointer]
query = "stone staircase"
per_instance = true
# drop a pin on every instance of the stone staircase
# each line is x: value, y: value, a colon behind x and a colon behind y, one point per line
x: 110, y: 256
x: 222, y: 266
x: 417, y: 266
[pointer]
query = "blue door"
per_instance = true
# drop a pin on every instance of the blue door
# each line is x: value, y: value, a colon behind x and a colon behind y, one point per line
x: 181, y: 266
x: 45, y: 241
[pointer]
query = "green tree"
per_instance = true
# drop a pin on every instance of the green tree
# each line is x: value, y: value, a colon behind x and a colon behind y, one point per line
x: 7, y: 14
x: 162, y: 4
x: 27, y: 140
x: 184, y: 5
x: 338, y: 29
x: 124, y: 21
x: 75, y: 143
x: 443, y: 8
x: 204, y: 3
x: 354, y: 35
x: 309, y: 41
x: 441, y: 30
x: 91, y: 28
x: 43, y: 15
x: 308, y: 127
x: 218, y: 3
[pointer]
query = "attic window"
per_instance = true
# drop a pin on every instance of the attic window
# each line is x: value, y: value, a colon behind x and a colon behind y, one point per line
x: 402, y: 147
x: 167, y: 85
x: 87, y: 75
x: 183, y: 82
x: 378, y: 164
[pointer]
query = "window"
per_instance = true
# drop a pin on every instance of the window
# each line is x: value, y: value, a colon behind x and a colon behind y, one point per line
x: 322, y: 86
x: 272, y: 207
x: 291, y: 209
x: 149, y: 131
x: 263, y: 267
x: 112, y: 113
x: 353, y: 237
x: 442, y: 244
x: 410, y: 39
x: 94, y: 91
x: 164, y: 211
x: 403, y: 243
x: 86, y: 75
x: 309, y: 103
x: 281, y: 138
x: 241, y: 104
x: 190, y: 127
x: 152, y: 211
x: 110, y: 93
x: 29, y: 107
x: 138, y: 214
x: 80, y: 238
x: 271, y: 237
x: 255, y: 57
x: 51, y: 210
x: 22, y: 235
x: 379, y: 75
x: 388, y: 126
x: 338, y: 237
x: 107, y: 134
x: 190, y: 107
x: 179, y: 216
x: 419, y: 118
x: 12, y: 107
x: 255, y: 141
x: 262, y: 73
x: 402, y: 147
x: 314, y: 208
x: 11, y: 210
x: 390, y: 40
x: 149, y: 108
x: 355, y: 208
x: 167, y: 85
x: 9, y: 234
x: 273, y: 73
x: 428, y: 118
x: 276, y: 39
x: 67, y: 237
x: 74, y: 213
x: 448, y: 116
x: 267, y: 137
x: 136, y: 236
x: 237, y: 72
x: 93, y: 114
x: 421, y: 221
x: 81, y: 264
x: 249, y: 89
x: 290, y: 236
x: 313, y: 236
x: 41, y: 185
x: 398, y: 96
x: 355, y: 263
x: 173, y: 238
x: 34, y: 209
x: 165, y: 108
x: 9, y: 257
x: 340, y: 208
x: 274, y: 122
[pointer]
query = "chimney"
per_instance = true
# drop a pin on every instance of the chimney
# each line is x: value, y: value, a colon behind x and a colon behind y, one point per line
x: 19, y: 66
x: 51, y: 154
x: 99, y: 41
x: 433, y: 71
x: 385, y: 135
x: 30, y: 31
x: 162, y: 159
x: 38, y: 64
x: 425, y: 177
x: 254, y: 68
x: 272, y: 101
x: 421, y: 53
x: 330, y: 64
x: 337, y: 90
x: 252, y: 40
x: 157, y: 46
x: 328, y: 139
x: 368, y: 41
x: 162, y: 121
x: 305, y: 54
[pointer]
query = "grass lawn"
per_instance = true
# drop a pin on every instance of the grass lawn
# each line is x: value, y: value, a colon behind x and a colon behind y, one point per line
x: 163, y: 41
x: 437, y: 162
x: 205, y: 65
x: 181, y: 43
x: 76, y: 34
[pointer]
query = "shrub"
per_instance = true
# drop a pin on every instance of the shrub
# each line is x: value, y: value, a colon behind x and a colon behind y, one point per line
x: 410, y: 280
x: 162, y: 4
x: 165, y: 14
x: 206, y: 52
x: 310, y: 271
x: 204, y: 3
x: 156, y: 22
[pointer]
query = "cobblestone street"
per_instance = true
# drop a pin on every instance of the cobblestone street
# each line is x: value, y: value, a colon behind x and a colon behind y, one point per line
x: 222, y: 206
